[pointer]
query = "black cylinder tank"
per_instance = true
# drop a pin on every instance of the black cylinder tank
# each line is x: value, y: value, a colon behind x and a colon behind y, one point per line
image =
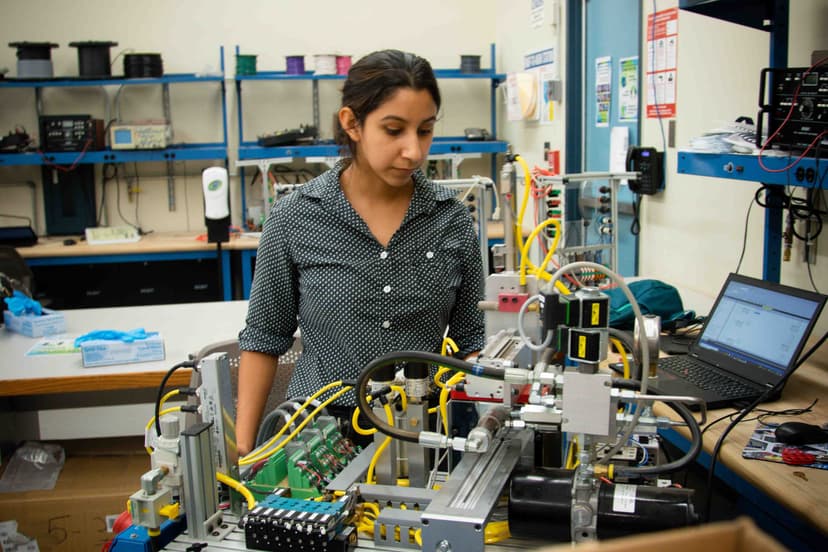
x: 540, y: 503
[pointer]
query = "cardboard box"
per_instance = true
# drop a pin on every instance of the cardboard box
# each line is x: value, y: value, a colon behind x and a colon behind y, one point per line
x: 103, y: 352
x: 740, y: 535
x: 50, y: 322
x: 91, y: 492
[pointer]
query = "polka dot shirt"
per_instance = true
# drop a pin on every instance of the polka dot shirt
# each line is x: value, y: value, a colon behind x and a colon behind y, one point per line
x: 319, y: 267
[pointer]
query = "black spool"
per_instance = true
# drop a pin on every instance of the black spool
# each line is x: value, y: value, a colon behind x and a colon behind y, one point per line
x: 93, y: 58
x: 34, y: 59
x: 33, y: 50
x: 138, y: 66
x: 469, y: 64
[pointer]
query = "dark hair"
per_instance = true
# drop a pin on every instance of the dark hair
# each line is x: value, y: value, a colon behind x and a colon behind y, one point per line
x: 377, y: 76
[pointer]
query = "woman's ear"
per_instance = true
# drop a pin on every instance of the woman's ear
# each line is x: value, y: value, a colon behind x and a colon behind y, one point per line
x: 349, y: 123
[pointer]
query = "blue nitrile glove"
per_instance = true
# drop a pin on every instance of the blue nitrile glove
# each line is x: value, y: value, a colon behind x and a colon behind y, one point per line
x: 114, y: 335
x: 20, y: 303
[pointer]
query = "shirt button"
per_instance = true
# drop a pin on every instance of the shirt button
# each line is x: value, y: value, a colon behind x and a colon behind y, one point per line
x: 386, y: 289
x: 386, y: 324
x: 430, y: 255
x: 384, y: 255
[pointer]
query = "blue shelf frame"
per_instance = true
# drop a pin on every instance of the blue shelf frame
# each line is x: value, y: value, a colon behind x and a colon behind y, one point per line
x: 172, y: 78
x: 248, y: 256
x: 754, y: 14
x: 250, y: 150
x: 490, y: 74
x: 175, y: 152
x: 746, y: 167
x: 440, y: 146
x: 226, y: 276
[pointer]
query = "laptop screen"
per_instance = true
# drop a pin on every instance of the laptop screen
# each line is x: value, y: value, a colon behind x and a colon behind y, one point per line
x: 752, y: 323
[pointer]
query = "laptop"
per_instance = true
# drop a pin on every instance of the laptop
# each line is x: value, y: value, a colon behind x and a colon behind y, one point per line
x: 750, y: 341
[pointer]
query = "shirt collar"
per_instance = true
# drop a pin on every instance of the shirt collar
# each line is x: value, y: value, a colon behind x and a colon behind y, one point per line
x: 426, y: 193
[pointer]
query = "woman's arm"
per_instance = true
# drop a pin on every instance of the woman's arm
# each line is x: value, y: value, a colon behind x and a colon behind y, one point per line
x: 256, y: 374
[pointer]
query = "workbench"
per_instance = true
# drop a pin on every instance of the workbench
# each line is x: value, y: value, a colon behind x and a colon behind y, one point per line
x: 788, y: 502
x: 162, y: 267
x: 105, y: 394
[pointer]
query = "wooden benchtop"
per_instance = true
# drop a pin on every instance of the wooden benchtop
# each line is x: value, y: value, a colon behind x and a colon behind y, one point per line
x: 161, y: 242
x: 155, y: 242
x: 808, y: 496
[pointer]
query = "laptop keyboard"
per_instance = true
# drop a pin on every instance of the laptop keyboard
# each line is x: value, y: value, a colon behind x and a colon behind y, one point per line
x: 686, y: 367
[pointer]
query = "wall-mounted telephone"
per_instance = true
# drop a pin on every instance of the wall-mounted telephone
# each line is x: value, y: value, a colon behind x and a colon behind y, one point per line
x: 649, y: 163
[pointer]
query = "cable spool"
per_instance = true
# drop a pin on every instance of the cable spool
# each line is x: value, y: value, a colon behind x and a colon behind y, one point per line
x: 93, y: 58
x: 137, y: 66
x: 34, y: 59
x: 343, y: 65
x: 469, y: 64
x: 295, y: 65
x: 246, y: 64
x: 324, y: 64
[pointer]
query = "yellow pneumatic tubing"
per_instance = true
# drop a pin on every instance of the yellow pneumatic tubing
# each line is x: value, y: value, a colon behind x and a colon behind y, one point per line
x: 539, y: 271
x: 251, y: 459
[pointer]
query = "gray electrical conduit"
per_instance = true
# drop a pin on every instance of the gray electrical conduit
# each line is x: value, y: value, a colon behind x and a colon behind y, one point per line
x: 286, y: 409
x: 268, y: 426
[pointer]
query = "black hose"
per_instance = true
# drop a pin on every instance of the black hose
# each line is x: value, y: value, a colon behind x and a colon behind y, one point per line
x: 411, y: 356
x: 627, y: 341
x: 269, y: 425
x: 299, y: 401
x: 684, y: 461
x: 621, y: 383
x: 164, y: 380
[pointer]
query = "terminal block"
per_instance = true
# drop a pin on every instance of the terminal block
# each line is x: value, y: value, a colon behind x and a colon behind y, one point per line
x: 316, y: 455
x: 288, y: 524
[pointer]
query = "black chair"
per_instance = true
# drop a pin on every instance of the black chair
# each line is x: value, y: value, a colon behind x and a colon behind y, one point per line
x: 16, y: 269
x: 278, y: 394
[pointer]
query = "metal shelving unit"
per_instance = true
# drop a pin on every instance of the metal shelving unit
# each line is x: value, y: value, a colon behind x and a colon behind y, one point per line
x: 138, y: 262
x: 453, y: 148
x: 771, y: 16
x: 175, y: 152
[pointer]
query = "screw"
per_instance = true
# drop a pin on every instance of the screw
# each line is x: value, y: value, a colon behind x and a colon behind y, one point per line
x: 443, y: 546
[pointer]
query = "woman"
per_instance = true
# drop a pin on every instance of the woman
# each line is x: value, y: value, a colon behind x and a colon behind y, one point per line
x: 367, y: 258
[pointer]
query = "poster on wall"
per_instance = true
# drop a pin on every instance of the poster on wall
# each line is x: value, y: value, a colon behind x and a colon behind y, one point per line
x: 662, y: 41
x: 543, y: 64
x: 603, y: 90
x: 628, y: 89
x: 536, y: 16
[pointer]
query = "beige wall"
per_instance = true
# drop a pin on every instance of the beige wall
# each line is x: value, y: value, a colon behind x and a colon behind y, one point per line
x: 188, y: 34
